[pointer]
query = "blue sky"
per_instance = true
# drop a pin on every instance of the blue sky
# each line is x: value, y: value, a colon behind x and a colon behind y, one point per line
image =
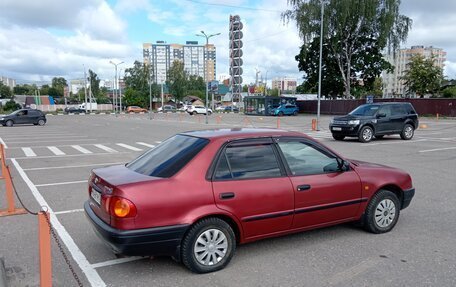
x: 47, y: 38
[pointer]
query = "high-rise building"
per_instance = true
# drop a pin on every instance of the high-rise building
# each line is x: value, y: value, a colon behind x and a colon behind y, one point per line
x: 284, y: 84
x: 8, y: 82
x: 197, y: 59
x: 393, y: 85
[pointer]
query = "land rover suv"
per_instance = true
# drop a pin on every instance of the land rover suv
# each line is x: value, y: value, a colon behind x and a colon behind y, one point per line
x: 376, y: 120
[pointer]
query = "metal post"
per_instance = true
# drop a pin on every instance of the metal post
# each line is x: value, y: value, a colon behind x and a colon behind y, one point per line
x: 150, y: 98
x: 162, y: 94
x: 120, y: 92
x: 116, y: 85
x: 204, y: 65
x: 319, y: 66
x: 85, y: 89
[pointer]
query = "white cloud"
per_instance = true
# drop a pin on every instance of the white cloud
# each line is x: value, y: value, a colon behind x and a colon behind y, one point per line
x: 33, y: 53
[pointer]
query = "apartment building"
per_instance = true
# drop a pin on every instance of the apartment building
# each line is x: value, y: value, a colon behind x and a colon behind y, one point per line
x: 198, y: 59
x: 393, y: 85
x: 8, y: 82
x: 284, y: 84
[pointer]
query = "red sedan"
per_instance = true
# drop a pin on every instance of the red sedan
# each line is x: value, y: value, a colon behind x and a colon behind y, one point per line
x: 199, y: 194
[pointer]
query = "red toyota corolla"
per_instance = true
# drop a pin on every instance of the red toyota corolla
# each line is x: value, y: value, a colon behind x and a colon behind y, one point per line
x: 199, y: 194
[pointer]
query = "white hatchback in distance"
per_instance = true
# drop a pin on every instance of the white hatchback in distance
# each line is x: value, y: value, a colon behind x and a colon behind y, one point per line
x: 194, y: 110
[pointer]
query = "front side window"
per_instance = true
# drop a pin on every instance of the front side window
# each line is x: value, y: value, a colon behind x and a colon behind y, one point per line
x: 365, y: 110
x: 252, y: 161
x: 306, y: 159
x: 169, y: 157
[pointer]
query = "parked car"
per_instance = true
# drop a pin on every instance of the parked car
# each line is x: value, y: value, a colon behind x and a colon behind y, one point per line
x: 167, y: 109
x: 136, y: 109
x: 285, y: 109
x: 23, y: 116
x: 194, y: 110
x: 199, y: 194
x: 380, y: 119
x: 74, y: 110
x: 233, y: 109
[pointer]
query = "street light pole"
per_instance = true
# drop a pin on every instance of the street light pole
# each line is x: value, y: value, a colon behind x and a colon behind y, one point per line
x: 204, y: 66
x: 116, y: 84
x: 319, y: 66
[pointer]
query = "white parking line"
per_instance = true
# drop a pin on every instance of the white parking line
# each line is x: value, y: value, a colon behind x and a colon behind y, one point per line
x: 68, y: 211
x: 105, y: 148
x: 72, y: 166
x: 395, y: 142
x: 159, y: 142
x: 146, y: 144
x: 438, y: 149
x: 47, y: 137
x: 81, y: 149
x: 55, y: 150
x: 92, y: 275
x: 3, y: 143
x: 28, y: 151
x: 129, y: 147
x: 116, y: 261
x: 61, y: 183
x: 69, y: 155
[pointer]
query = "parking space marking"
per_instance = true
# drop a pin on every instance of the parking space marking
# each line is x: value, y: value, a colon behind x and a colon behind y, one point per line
x: 437, y: 149
x: 68, y: 211
x: 73, y: 166
x: 129, y: 147
x: 28, y: 151
x: 117, y: 261
x: 70, y: 155
x: 395, y: 142
x: 55, y: 150
x: 61, y: 183
x: 47, y: 137
x: 3, y: 143
x: 146, y: 144
x: 92, y: 275
x: 81, y: 149
x: 53, y: 141
x: 159, y: 142
x: 105, y: 148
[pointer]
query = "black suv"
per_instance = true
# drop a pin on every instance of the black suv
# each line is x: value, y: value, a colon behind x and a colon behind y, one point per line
x: 380, y: 119
x: 23, y: 116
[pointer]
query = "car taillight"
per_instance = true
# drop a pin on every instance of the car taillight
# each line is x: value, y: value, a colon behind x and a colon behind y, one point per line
x: 121, y: 207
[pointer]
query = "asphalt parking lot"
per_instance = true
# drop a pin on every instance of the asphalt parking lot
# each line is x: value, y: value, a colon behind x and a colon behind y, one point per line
x: 50, y: 166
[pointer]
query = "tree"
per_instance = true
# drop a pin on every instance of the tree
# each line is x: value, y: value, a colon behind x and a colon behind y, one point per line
x: 422, y: 76
x: 25, y: 89
x: 275, y: 92
x: 138, y: 86
x: 5, y: 91
x: 177, y: 80
x: 58, y: 87
x: 44, y: 90
x: 352, y: 28
x: 449, y: 92
x: 94, y: 83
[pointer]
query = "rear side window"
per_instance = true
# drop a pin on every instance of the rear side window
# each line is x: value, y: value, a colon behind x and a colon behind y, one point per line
x: 169, y: 157
x: 409, y: 109
x: 243, y: 162
x: 397, y: 110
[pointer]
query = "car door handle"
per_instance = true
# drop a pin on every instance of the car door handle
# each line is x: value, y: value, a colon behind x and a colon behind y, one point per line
x: 226, y: 195
x: 303, y: 187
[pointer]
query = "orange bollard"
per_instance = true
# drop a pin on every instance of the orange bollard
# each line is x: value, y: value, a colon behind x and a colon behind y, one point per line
x: 6, y: 175
x: 278, y: 123
x: 219, y: 119
x: 44, y: 236
x: 437, y: 116
x: 314, y: 124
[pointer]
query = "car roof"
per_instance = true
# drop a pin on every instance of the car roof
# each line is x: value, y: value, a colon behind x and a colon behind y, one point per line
x: 240, y: 133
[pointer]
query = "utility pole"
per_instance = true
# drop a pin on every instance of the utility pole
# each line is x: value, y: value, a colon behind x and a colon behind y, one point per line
x: 116, y: 83
x: 85, y: 89
x: 204, y: 65
x: 319, y: 66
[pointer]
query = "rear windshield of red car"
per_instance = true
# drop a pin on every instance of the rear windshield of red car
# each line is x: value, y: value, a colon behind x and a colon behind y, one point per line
x: 169, y: 157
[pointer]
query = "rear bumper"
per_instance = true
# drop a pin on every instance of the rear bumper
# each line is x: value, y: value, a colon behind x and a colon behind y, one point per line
x: 141, y: 242
x: 408, y: 195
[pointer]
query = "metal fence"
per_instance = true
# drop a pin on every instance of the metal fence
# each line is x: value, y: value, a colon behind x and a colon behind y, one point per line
x: 443, y: 107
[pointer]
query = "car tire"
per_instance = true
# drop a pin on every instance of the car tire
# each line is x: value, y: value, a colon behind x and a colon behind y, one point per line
x: 193, y: 251
x: 407, y: 132
x: 41, y: 122
x: 9, y: 123
x: 382, y: 212
x: 338, y: 137
x: 280, y: 114
x: 366, y: 134
x: 209, y: 113
x: 295, y: 113
x: 194, y: 113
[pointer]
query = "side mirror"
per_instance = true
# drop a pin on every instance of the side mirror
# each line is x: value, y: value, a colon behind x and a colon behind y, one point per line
x: 381, y: 115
